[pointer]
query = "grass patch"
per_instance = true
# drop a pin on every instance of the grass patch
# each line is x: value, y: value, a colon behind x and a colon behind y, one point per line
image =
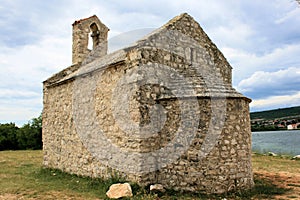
x: 280, y: 163
x: 23, y: 177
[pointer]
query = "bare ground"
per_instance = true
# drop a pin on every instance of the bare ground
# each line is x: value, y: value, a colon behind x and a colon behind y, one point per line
x: 283, y: 180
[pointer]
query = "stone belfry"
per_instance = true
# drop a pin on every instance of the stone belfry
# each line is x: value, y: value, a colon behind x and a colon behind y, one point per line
x: 84, y: 28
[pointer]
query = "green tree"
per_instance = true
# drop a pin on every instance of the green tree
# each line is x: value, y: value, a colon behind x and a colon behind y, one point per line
x: 8, y: 136
x: 29, y: 135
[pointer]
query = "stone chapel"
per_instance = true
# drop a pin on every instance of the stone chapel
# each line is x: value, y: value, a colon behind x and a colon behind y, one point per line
x: 162, y: 110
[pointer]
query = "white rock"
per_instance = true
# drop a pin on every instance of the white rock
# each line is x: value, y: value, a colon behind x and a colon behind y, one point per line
x: 157, y: 188
x: 272, y: 154
x: 297, y: 157
x: 119, y: 190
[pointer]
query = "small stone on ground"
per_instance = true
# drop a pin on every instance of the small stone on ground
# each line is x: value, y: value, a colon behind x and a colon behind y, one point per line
x: 297, y: 157
x: 119, y: 190
x: 157, y: 188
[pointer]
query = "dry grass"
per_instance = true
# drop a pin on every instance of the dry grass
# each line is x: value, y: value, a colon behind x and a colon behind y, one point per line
x: 275, y: 164
x: 280, y: 171
x: 22, y: 177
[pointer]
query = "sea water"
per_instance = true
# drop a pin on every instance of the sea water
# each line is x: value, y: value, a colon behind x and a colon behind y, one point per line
x: 279, y: 142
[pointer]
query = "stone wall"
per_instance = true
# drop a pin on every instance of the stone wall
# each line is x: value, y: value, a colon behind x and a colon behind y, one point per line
x: 227, y: 166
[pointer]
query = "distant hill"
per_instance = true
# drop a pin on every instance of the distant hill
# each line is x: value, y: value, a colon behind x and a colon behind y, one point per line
x: 286, y: 113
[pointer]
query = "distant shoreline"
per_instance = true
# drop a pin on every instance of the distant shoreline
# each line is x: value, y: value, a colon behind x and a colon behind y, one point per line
x: 275, y: 130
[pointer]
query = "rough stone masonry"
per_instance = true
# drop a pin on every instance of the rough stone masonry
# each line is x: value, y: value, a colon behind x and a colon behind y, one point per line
x: 162, y: 110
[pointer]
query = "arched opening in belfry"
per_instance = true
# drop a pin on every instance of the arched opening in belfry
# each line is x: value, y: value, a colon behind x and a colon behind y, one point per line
x: 95, y: 34
x: 90, y: 41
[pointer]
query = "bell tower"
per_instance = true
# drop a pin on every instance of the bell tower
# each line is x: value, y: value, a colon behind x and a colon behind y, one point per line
x: 84, y: 28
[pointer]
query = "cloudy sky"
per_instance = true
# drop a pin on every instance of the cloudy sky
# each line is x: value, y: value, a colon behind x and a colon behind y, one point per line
x: 261, y: 40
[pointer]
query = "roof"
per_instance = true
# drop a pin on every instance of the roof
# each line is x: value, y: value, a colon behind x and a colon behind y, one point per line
x: 88, y: 19
x: 84, y: 19
x: 205, y: 87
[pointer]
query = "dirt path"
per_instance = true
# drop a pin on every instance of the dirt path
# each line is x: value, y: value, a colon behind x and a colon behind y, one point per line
x: 283, y: 180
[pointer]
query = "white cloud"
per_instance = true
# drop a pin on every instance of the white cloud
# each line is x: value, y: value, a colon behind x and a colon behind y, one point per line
x: 235, y: 35
x: 276, y: 102
x: 246, y: 63
x: 22, y: 71
x: 35, y: 39
x: 265, y: 84
x: 291, y: 14
x: 8, y: 93
x: 19, y: 111
x: 34, y: 62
